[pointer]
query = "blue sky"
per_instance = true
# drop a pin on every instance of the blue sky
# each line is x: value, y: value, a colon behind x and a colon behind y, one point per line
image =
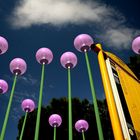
x: 30, y: 25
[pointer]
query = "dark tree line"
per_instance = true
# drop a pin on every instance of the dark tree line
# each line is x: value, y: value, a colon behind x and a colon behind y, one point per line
x: 134, y: 65
x: 81, y: 110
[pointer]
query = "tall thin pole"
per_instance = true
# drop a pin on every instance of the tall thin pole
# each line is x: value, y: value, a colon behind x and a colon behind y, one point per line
x: 116, y: 126
x: 23, y: 126
x: 83, y: 135
x: 97, y: 116
x: 8, y: 109
x: 54, y: 134
x: 39, y: 104
x: 69, y: 106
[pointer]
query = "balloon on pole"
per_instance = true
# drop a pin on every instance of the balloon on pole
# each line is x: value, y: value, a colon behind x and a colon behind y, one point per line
x: 82, y: 126
x: 83, y: 43
x: 27, y: 105
x: 43, y: 56
x: 17, y: 67
x: 55, y: 120
x: 69, y: 60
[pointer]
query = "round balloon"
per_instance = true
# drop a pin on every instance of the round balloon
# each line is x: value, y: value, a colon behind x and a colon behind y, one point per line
x: 136, y: 45
x: 83, y: 42
x: 68, y: 60
x: 55, y: 120
x: 44, y: 56
x: 18, y: 66
x: 3, y: 45
x: 28, y: 105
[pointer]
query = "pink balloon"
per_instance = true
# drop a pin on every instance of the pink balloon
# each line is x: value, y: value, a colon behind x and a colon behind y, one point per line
x: 44, y: 55
x: 18, y: 66
x: 136, y: 45
x: 68, y: 60
x: 28, y: 105
x: 3, y: 86
x: 55, y: 120
x: 3, y: 45
x: 81, y: 125
x: 83, y: 42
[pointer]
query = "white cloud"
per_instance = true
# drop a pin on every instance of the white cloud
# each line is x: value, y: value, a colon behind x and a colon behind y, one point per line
x: 54, y: 12
x: 119, y: 38
x: 28, y: 80
x: 30, y: 12
x: 108, y: 21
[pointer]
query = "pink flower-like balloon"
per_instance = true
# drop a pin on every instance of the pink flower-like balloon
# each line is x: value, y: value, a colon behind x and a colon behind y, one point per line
x: 28, y: 105
x: 81, y: 125
x: 18, y: 66
x: 3, y: 45
x: 44, y: 56
x: 83, y: 42
x: 3, y: 86
x: 55, y: 120
x: 68, y: 60
x: 136, y: 45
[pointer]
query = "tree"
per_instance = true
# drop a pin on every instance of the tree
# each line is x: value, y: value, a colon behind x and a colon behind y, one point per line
x: 135, y: 65
x: 81, y: 110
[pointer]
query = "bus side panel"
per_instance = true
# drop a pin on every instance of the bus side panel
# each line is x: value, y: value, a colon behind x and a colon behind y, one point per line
x: 131, y: 90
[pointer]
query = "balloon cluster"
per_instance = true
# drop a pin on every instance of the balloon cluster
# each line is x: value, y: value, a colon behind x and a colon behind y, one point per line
x: 68, y: 60
x: 3, y: 49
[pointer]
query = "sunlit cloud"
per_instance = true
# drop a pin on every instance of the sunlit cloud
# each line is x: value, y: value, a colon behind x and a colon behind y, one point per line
x: 27, y: 80
x: 36, y: 12
x: 110, y: 23
x: 119, y: 38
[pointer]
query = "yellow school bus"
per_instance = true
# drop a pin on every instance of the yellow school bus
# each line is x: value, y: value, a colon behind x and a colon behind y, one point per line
x: 126, y: 91
x: 126, y: 94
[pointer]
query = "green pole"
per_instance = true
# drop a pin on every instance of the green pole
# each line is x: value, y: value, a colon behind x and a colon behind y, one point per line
x: 23, y: 126
x: 98, y: 121
x: 69, y: 106
x: 39, y: 105
x: 54, y: 135
x: 8, y: 109
x: 83, y: 135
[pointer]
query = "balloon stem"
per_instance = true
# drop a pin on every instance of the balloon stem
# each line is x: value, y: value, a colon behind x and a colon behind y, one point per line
x: 54, y: 136
x: 8, y: 109
x: 69, y: 106
x: 83, y: 135
x: 98, y: 121
x: 39, y: 105
x: 23, y: 126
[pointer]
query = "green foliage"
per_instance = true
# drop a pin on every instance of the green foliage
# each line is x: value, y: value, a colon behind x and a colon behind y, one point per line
x: 81, y: 110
